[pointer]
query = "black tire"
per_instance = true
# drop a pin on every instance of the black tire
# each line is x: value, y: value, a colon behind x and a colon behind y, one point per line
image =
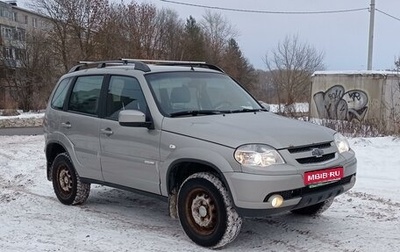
x: 68, y: 187
x: 314, y: 209
x: 205, y: 211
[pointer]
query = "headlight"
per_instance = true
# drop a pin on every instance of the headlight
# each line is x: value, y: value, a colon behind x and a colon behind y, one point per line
x: 341, y: 143
x: 257, y: 155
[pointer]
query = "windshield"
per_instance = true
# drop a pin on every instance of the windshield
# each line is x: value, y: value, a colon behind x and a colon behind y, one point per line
x: 199, y: 93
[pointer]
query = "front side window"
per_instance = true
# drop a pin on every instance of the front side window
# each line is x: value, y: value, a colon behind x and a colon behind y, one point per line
x: 85, y: 95
x: 124, y: 93
x: 57, y: 102
x: 192, y: 92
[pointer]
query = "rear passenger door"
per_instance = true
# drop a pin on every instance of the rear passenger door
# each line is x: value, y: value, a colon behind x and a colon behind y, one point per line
x: 129, y: 155
x: 79, y: 124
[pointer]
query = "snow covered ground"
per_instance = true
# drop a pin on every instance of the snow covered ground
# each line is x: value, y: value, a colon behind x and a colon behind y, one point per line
x: 25, y: 119
x: 31, y: 219
x: 23, y: 115
x: 299, y: 107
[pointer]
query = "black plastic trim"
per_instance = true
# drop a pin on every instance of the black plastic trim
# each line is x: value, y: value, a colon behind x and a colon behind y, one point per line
x: 102, y: 64
x: 126, y: 188
x: 198, y: 161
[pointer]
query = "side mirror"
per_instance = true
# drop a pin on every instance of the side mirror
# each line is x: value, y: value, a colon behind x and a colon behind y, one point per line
x: 133, y: 118
x: 265, y: 105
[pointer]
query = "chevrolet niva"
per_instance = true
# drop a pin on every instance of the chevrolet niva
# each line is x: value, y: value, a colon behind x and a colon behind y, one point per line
x: 190, y: 134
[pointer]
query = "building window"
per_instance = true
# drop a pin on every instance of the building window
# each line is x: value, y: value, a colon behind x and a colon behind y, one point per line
x: 34, y: 22
x: 9, y: 53
x: 15, y: 17
x: 19, y: 54
x: 7, y: 32
x: 26, y: 19
x: 19, y: 35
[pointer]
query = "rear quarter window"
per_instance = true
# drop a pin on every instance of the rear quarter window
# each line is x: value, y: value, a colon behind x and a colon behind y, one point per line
x: 57, y: 102
x: 85, y: 94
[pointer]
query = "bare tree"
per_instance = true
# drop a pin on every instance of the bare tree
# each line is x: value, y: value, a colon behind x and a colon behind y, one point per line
x: 31, y: 75
x: 263, y: 86
x: 169, y: 33
x: 222, y: 49
x: 73, y: 25
x: 291, y: 65
x: 217, y: 31
x: 102, y: 29
x: 112, y: 36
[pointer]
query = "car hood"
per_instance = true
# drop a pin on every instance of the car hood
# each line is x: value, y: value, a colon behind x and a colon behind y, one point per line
x: 236, y: 129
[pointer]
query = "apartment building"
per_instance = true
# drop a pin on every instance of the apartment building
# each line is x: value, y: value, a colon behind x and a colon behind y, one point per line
x: 15, y: 22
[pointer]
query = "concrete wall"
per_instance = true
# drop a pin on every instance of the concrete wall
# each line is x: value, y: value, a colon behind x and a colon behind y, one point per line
x: 368, y: 95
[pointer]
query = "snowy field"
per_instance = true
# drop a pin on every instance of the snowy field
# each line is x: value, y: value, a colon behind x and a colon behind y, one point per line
x: 365, y: 219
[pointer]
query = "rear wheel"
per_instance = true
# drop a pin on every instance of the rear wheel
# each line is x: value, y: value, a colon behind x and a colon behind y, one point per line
x: 68, y: 187
x: 205, y: 211
x: 314, y: 209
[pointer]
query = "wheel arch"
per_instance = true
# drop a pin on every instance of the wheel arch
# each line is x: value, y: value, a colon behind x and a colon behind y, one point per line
x: 180, y: 169
x: 52, y: 150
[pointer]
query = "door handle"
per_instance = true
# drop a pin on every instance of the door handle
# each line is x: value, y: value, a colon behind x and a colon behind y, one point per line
x: 66, y: 125
x: 107, y: 132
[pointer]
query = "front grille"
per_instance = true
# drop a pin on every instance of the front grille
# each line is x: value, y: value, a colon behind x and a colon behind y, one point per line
x: 300, y: 192
x: 312, y: 160
x: 309, y: 148
x: 315, y: 153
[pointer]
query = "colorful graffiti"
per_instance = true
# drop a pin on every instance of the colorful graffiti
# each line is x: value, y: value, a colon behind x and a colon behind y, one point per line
x: 337, y: 104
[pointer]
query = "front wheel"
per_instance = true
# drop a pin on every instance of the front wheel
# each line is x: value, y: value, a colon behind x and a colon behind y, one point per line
x: 314, y: 209
x: 68, y: 187
x: 205, y: 211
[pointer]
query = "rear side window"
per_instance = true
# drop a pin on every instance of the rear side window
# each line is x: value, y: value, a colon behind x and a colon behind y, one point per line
x: 57, y: 102
x: 85, y: 95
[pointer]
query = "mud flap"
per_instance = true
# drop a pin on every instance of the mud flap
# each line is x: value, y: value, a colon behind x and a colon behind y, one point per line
x: 172, y: 206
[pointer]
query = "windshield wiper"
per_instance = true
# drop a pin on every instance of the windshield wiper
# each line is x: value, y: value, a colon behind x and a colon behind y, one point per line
x: 195, y: 113
x: 243, y: 110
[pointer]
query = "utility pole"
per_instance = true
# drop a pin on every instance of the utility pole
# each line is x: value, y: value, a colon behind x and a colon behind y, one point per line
x: 371, y: 34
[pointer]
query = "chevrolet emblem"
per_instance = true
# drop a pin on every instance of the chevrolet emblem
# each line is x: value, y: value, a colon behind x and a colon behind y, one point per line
x: 317, y: 152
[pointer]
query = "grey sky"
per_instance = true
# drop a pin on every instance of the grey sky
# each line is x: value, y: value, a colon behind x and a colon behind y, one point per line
x: 343, y: 37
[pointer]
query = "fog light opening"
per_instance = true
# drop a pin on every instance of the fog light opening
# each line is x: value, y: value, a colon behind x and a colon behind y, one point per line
x: 276, y: 200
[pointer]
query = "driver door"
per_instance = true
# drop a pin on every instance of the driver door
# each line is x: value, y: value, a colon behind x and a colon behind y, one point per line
x: 129, y: 155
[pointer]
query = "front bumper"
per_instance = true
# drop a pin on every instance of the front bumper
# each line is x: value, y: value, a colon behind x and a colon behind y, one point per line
x: 250, y: 192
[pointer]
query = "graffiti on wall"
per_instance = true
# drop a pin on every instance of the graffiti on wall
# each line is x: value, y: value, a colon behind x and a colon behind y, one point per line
x: 337, y: 104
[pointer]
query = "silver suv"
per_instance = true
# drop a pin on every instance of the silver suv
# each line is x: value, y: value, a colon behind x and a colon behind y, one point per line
x: 189, y: 133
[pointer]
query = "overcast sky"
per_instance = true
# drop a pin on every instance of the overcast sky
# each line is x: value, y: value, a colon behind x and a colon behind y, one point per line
x: 343, y: 37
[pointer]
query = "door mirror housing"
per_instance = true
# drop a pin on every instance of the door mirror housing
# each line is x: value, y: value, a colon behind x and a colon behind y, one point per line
x: 133, y: 118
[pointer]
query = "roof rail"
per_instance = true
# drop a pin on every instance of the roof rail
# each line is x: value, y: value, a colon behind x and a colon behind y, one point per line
x: 178, y: 63
x: 139, y: 65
